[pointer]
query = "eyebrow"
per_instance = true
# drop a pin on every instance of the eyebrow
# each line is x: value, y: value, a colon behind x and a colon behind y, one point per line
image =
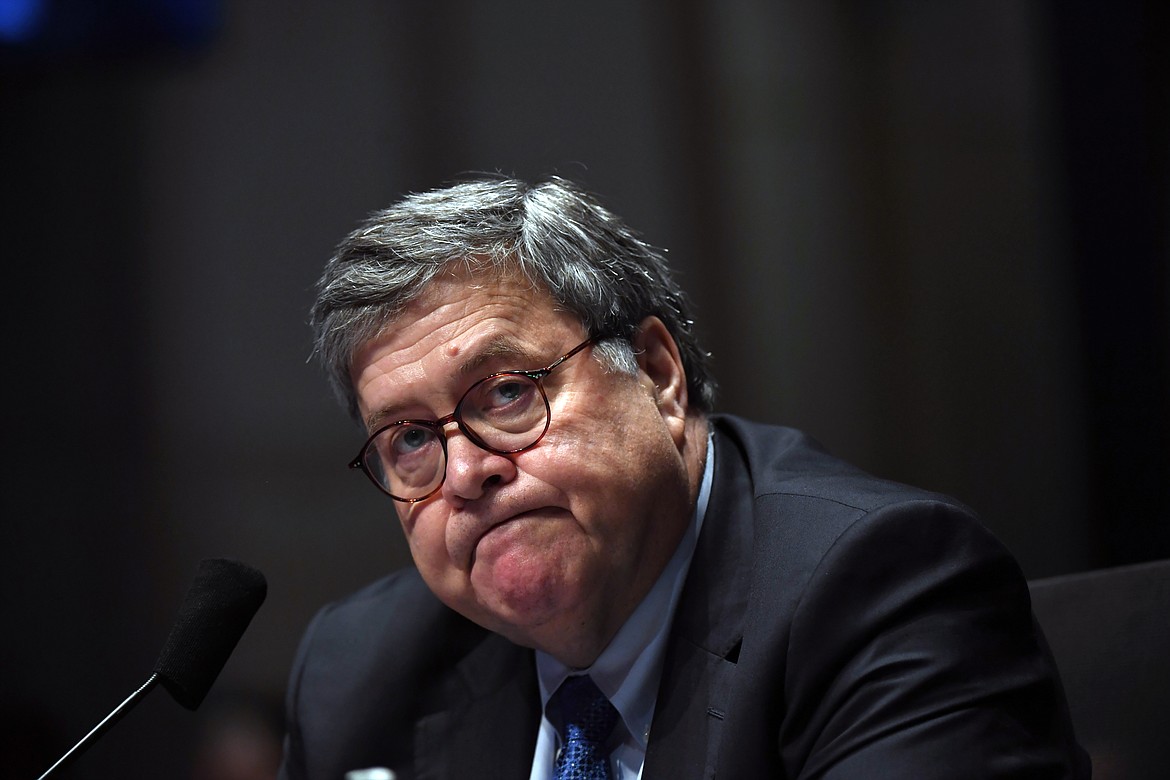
x: 500, y: 347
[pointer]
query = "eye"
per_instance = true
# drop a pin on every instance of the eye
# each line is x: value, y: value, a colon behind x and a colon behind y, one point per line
x: 507, y: 392
x: 409, y: 439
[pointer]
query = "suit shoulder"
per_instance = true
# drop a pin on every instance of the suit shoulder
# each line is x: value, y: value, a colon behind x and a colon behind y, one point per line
x: 402, y: 589
x: 808, y: 506
x: 784, y: 462
x: 391, y: 622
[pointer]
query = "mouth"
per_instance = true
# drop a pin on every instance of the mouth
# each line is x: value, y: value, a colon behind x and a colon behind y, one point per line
x: 495, y: 529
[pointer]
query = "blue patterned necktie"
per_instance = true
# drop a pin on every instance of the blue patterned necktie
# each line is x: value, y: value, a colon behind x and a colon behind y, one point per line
x: 587, y: 719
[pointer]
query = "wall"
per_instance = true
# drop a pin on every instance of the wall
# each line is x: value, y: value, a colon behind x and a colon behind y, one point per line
x: 890, y: 218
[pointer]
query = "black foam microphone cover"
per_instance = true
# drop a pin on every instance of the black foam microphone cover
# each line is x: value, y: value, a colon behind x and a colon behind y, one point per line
x: 215, y: 613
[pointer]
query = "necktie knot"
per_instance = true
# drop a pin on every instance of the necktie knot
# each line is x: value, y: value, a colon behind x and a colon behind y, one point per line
x: 587, y: 719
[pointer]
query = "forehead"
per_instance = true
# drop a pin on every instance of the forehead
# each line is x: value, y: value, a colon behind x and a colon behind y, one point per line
x: 458, y: 327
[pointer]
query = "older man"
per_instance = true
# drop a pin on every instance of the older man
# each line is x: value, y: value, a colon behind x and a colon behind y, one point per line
x: 610, y: 580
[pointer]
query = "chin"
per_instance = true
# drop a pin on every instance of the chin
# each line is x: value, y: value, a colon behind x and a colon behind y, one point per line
x: 528, y: 614
x: 527, y: 608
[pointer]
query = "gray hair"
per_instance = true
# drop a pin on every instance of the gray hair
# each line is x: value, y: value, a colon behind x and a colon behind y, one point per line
x: 554, y: 234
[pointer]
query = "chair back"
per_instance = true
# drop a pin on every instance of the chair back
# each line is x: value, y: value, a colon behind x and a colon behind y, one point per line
x: 1109, y: 631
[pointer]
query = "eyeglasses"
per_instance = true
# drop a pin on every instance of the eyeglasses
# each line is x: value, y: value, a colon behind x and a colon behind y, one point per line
x: 504, y: 413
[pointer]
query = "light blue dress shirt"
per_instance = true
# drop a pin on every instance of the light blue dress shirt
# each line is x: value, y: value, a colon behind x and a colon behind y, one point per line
x: 629, y: 669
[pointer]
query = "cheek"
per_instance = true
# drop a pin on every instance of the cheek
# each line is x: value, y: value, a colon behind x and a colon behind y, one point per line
x: 616, y: 465
x: 615, y: 423
x: 424, y: 531
x: 626, y: 434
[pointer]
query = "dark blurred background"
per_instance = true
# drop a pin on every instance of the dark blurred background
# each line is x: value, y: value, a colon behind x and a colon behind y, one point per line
x: 934, y: 235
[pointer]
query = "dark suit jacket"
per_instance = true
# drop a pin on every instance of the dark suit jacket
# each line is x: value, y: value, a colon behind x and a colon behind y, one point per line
x: 832, y: 625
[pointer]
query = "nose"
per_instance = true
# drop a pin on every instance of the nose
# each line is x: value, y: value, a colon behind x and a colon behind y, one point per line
x: 471, y: 470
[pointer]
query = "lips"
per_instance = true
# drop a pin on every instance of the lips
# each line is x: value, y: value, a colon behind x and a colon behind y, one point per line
x: 492, y: 527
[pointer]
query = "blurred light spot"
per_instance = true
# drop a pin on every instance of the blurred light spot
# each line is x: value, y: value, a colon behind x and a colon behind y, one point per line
x: 19, y: 19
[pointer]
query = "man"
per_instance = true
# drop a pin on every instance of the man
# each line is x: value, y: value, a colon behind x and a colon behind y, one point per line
x: 610, y: 580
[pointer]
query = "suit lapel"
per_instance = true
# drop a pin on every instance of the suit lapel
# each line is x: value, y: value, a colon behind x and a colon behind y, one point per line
x: 489, y: 723
x: 707, y: 630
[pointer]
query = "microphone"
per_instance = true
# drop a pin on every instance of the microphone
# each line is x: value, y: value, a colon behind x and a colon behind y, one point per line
x: 219, y: 605
x: 217, y: 609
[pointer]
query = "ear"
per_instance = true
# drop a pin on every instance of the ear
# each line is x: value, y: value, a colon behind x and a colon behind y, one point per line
x: 662, y: 372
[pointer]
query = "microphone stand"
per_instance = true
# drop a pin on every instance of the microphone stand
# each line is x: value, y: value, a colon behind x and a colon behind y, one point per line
x: 101, y: 728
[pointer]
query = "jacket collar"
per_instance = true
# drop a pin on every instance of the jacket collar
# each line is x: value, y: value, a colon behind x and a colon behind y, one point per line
x: 708, y: 627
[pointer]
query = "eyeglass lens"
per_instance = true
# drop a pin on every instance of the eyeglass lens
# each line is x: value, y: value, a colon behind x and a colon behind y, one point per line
x: 503, y: 413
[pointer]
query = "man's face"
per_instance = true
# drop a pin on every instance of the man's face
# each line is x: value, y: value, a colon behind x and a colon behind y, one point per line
x: 555, y: 546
